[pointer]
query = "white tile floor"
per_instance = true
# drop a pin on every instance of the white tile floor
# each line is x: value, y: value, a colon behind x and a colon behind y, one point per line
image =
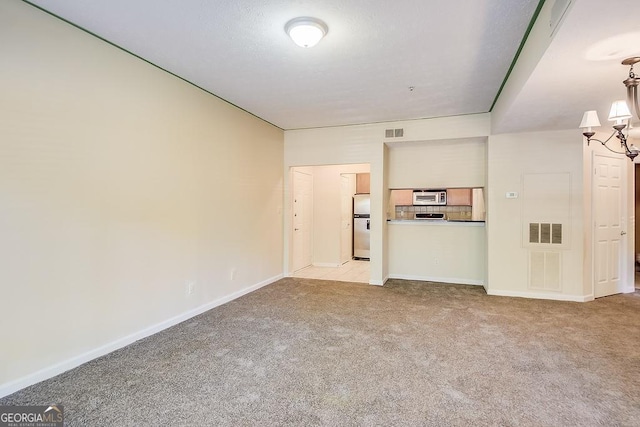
x: 352, y: 271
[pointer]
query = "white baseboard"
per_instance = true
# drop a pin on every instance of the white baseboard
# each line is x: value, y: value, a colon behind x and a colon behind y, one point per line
x: 57, y: 369
x: 452, y: 280
x: 539, y: 295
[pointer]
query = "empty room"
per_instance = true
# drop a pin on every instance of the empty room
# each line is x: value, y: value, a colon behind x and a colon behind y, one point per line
x: 319, y: 213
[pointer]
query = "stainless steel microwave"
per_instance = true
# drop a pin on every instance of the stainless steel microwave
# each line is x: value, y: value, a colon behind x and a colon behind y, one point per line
x: 429, y: 197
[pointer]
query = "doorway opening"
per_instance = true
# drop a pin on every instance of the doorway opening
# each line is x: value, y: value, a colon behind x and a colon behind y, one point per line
x: 321, y: 242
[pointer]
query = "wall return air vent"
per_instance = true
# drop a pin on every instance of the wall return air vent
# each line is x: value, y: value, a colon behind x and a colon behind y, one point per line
x: 394, y: 133
x: 545, y: 233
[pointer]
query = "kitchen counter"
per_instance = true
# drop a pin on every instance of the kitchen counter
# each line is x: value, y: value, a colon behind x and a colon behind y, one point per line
x: 437, y: 250
x: 437, y: 222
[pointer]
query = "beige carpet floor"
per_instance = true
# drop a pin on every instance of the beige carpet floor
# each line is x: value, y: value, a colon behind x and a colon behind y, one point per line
x: 310, y: 352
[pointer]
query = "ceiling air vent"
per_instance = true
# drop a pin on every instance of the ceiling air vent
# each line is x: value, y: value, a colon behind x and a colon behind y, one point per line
x: 394, y: 133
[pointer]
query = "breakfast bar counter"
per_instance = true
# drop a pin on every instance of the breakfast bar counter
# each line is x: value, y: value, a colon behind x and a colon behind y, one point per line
x: 437, y: 250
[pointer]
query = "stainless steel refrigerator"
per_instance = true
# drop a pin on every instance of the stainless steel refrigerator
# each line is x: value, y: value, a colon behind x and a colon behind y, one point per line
x: 361, y: 226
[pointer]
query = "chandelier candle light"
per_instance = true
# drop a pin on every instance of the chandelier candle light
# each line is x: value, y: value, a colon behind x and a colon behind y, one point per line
x: 619, y: 113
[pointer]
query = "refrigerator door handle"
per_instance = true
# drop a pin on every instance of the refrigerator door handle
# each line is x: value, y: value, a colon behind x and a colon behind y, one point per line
x: 368, y: 225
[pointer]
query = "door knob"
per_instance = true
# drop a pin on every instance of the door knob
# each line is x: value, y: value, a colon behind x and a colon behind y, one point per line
x: 296, y: 229
x: 622, y: 233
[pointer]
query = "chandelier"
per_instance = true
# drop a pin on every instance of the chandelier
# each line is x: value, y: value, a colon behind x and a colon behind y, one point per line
x: 632, y: 85
x: 619, y: 113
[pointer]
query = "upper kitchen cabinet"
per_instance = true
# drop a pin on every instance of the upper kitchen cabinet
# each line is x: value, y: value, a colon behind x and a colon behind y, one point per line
x: 401, y: 198
x: 363, y: 183
x: 459, y: 197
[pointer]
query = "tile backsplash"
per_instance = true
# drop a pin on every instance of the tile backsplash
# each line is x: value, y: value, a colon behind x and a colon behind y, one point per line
x: 450, y: 212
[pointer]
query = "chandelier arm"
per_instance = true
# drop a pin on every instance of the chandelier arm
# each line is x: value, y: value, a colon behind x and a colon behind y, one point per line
x: 631, y: 154
x: 617, y: 133
x: 623, y: 143
x: 604, y: 144
x: 606, y: 140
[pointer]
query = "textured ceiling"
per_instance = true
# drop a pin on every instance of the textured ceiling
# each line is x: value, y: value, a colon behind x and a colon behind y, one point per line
x: 455, y: 53
x: 581, y: 69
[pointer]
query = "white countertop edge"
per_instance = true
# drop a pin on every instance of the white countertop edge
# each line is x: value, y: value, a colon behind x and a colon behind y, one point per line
x: 436, y: 222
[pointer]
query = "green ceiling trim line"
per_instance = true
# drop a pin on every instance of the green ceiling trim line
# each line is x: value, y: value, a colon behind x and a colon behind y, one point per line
x: 383, y: 122
x: 147, y: 61
x: 517, y: 55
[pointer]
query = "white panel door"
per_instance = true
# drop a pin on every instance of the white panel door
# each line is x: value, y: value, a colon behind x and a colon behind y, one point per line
x: 346, y: 219
x: 609, y: 231
x: 302, y: 219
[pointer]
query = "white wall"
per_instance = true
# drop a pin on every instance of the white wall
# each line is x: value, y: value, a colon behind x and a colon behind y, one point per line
x: 438, y: 164
x: 119, y: 185
x: 439, y: 252
x: 511, y: 158
x: 365, y: 144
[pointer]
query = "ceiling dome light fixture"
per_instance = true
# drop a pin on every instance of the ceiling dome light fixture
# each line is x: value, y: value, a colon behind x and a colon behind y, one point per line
x: 306, y: 31
x: 619, y: 113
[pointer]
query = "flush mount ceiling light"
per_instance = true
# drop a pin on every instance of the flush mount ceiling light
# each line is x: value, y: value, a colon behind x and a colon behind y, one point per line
x: 306, y: 31
x: 619, y: 113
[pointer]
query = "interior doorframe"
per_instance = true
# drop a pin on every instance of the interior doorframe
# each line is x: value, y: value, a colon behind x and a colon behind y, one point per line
x: 351, y: 177
x: 629, y: 202
x: 636, y: 228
